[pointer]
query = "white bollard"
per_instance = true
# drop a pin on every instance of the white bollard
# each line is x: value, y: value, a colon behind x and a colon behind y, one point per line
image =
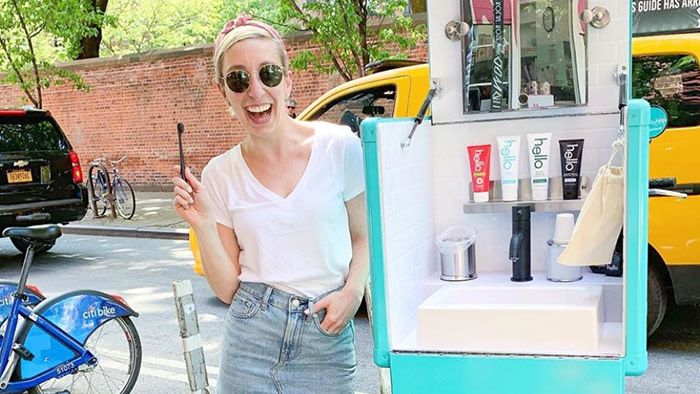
x: 191, y: 340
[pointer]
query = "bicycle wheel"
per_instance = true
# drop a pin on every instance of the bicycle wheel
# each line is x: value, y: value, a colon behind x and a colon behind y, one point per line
x: 98, y: 193
x: 117, y: 346
x: 124, y: 198
x: 101, y: 202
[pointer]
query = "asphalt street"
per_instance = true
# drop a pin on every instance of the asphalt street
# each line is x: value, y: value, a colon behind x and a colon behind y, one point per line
x: 142, y: 271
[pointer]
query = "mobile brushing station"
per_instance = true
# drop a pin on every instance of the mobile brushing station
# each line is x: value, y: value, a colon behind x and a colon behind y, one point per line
x: 492, y: 334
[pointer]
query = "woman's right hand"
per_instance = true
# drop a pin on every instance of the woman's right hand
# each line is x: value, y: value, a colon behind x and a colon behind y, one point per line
x: 191, y: 202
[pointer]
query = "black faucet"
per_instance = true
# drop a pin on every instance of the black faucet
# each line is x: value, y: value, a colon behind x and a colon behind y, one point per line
x: 520, y: 244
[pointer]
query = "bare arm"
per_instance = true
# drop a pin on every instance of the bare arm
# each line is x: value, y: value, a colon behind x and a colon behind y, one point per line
x: 342, y: 305
x: 218, y: 247
x: 359, y: 266
x: 218, y: 244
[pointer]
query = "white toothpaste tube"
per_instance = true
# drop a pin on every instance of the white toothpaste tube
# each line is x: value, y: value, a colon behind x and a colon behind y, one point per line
x: 538, y: 152
x: 508, y: 155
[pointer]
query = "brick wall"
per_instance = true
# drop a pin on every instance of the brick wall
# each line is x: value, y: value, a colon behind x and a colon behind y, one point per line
x: 135, y: 102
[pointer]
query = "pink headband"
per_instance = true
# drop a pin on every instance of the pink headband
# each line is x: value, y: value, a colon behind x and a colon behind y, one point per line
x: 246, y: 20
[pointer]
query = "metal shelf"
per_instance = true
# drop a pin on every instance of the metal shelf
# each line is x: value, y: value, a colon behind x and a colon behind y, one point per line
x: 556, y: 203
x: 536, y: 206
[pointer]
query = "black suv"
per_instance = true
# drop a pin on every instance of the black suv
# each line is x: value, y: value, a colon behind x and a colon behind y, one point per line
x: 40, y: 175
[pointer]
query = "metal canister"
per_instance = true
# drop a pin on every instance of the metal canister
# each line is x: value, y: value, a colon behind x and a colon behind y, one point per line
x: 559, y: 272
x: 458, y: 262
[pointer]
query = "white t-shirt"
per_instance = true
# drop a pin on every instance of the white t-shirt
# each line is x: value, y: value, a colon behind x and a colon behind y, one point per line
x: 301, y: 243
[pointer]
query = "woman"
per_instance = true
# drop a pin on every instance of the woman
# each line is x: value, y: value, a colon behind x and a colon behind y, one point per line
x: 280, y: 220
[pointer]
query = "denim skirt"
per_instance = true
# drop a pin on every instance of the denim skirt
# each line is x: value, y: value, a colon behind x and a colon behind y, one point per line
x: 271, y: 346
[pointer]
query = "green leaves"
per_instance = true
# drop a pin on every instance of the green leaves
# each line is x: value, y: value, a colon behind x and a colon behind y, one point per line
x: 26, y: 29
x: 144, y: 26
x: 347, y: 34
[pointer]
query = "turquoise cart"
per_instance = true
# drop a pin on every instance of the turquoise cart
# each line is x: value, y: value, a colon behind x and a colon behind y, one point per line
x: 425, y: 370
x: 491, y: 334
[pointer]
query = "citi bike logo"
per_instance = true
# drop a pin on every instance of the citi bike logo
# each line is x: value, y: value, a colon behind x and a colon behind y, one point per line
x: 94, y: 312
x: 6, y: 301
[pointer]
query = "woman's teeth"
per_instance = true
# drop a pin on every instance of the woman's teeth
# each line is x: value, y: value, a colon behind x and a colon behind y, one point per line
x: 259, y: 108
x: 259, y: 114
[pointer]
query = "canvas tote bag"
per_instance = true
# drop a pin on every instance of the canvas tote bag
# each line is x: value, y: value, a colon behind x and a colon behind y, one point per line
x: 600, y: 221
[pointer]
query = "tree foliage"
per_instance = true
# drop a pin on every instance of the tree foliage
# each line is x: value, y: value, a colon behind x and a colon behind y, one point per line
x: 89, y: 45
x: 34, y: 34
x: 349, y: 33
x: 265, y: 10
x: 144, y: 26
x: 23, y: 23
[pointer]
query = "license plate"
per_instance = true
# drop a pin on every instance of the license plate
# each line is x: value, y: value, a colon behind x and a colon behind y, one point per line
x: 19, y: 176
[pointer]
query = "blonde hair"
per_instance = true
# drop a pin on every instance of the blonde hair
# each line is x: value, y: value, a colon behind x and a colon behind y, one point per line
x: 241, y: 33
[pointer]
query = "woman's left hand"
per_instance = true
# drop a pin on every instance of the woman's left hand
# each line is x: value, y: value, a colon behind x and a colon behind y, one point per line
x: 340, y: 307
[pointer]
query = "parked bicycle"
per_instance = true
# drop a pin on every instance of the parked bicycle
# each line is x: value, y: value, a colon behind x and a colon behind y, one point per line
x: 107, y: 189
x: 7, y: 291
x: 80, y: 342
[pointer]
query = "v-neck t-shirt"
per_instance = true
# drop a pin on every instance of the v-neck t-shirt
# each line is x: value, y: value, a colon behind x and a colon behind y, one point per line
x: 300, y: 243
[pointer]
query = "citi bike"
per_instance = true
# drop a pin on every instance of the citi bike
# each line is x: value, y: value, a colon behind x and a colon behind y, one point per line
x: 80, y: 342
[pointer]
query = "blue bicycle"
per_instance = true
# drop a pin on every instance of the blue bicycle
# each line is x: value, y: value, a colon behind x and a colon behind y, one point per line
x: 80, y: 342
x: 7, y: 292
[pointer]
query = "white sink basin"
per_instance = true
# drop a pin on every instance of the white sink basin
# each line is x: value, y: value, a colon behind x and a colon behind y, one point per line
x: 530, y: 320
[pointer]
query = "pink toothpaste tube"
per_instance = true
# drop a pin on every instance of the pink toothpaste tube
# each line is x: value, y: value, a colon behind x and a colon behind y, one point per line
x: 480, y: 164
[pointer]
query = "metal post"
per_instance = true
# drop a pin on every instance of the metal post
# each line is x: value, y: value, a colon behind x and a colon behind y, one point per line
x: 28, y: 257
x: 191, y: 340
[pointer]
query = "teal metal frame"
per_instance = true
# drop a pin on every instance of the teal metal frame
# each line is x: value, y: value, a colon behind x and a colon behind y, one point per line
x: 380, y: 331
x: 416, y: 372
x: 636, y: 235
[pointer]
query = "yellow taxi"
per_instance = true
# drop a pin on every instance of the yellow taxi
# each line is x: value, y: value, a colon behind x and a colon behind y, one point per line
x: 665, y: 71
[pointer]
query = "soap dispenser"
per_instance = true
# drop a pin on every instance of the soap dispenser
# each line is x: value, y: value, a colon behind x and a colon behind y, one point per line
x: 520, y: 244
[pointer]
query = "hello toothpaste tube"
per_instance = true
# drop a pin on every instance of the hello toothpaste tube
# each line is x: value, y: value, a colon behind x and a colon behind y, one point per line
x: 480, y: 164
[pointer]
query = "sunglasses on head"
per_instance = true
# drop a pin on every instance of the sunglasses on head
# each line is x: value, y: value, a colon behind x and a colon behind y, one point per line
x: 239, y: 80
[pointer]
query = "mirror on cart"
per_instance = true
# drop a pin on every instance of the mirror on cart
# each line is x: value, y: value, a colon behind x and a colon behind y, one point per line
x: 523, y: 54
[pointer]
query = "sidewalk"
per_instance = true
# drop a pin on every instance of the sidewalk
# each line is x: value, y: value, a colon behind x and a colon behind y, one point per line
x: 154, y: 218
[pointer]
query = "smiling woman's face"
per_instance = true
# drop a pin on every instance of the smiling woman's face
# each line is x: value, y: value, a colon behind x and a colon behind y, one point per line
x: 260, y: 108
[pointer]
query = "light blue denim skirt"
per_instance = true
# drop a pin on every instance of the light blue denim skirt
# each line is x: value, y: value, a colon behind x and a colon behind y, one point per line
x: 271, y: 346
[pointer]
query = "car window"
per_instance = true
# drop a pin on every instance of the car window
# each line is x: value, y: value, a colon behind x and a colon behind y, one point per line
x: 352, y: 108
x: 19, y: 134
x: 670, y: 81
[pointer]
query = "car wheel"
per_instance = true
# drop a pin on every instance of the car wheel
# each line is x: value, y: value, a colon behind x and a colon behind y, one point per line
x: 657, y: 299
x: 22, y: 245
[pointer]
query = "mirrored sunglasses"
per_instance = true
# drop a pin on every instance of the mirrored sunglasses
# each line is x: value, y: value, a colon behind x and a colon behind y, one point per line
x: 239, y: 80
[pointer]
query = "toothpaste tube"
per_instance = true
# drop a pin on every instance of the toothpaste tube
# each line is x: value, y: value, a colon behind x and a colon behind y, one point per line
x: 538, y: 152
x: 480, y: 163
x: 508, y: 149
x: 571, y: 154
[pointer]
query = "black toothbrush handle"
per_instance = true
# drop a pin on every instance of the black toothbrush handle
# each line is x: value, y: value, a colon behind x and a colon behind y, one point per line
x: 180, y: 130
